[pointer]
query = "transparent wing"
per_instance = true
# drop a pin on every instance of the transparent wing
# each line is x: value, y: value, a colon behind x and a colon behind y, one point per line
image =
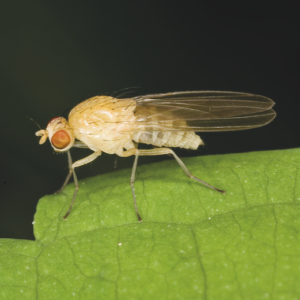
x: 202, y: 111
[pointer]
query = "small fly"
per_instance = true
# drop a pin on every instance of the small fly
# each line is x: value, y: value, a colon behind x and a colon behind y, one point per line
x: 116, y: 126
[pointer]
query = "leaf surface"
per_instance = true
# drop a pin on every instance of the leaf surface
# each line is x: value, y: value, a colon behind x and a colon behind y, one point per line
x: 194, y: 243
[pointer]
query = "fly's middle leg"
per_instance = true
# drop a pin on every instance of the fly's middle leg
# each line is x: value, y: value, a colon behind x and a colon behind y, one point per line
x: 127, y: 153
x: 132, y: 179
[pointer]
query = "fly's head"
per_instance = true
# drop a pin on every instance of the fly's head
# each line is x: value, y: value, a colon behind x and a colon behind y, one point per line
x: 60, y: 134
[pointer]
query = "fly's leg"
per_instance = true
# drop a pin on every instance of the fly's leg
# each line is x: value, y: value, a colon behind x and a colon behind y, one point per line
x: 158, y: 151
x: 161, y: 151
x: 190, y: 175
x: 127, y: 153
x: 69, y: 174
x: 76, y: 164
x: 132, y: 179
x: 115, y: 163
x: 74, y: 195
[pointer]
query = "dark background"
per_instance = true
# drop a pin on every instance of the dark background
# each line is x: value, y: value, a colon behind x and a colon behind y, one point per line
x: 55, y: 54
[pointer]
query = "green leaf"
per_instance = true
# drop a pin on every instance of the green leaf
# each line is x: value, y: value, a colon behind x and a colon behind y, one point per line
x: 194, y: 243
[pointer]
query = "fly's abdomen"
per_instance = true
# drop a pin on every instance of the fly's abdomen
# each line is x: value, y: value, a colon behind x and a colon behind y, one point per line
x: 181, y: 139
x: 154, y: 131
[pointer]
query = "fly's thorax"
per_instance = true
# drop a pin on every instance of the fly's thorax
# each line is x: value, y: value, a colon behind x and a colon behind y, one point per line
x: 104, y: 123
x: 60, y: 134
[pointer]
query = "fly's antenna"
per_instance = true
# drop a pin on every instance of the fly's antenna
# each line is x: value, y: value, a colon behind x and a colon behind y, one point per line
x: 35, y: 122
x: 122, y: 92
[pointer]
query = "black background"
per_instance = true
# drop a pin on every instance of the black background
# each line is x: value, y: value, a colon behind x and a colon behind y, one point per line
x: 55, y: 54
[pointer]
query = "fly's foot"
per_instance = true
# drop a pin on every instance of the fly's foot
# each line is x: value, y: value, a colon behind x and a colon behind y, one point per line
x: 58, y: 191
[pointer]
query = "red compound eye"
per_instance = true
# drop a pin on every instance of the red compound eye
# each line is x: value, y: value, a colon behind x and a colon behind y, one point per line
x: 61, y: 139
x: 52, y: 120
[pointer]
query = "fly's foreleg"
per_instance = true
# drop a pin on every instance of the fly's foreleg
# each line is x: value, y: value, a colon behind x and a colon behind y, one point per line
x: 76, y: 164
x: 69, y: 174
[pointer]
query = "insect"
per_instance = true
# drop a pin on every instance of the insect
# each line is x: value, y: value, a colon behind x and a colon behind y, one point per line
x: 116, y: 126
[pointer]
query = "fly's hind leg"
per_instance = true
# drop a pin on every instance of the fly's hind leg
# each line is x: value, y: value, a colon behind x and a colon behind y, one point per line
x: 158, y: 151
x: 161, y: 151
x: 76, y: 164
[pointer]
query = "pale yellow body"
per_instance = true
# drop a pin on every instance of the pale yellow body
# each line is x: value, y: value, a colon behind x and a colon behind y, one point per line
x: 108, y: 124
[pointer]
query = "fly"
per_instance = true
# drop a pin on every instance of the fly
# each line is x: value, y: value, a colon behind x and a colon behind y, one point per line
x: 116, y: 126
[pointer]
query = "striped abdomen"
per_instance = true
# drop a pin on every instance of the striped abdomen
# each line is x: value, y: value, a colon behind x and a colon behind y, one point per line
x: 181, y: 139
